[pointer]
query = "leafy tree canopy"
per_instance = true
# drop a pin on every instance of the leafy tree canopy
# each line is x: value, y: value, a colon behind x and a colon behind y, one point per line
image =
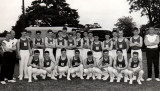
x: 126, y: 24
x: 47, y: 13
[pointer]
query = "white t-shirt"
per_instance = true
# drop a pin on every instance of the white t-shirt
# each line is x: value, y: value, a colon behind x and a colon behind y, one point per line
x: 14, y: 41
x: 152, y: 39
x: 7, y: 43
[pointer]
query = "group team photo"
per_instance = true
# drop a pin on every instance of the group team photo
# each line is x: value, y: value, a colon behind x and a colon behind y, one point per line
x: 70, y: 55
x: 79, y: 45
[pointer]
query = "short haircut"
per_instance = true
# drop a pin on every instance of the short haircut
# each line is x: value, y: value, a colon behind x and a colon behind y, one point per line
x: 49, y: 31
x: 89, y: 53
x: 85, y: 31
x: 73, y: 29
x: 70, y: 34
x: 64, y: 28
x: 105, y: 51
x: 36, y: 51
x: 120, y: 31
x: 59, y: 31
x: 135, y: 29
x: 77, y: 51
x: 107, y: 34
x: 90, y: 32
x: 46, y: 52
x: 151, y: 27
x: 119, y: 50
x: 78, y: 32
x: 38, y: 32
x: 114, y: 31
x: 29, y: 32
x: 96, y: 34
x: 7, y: 33
x: 135, y: 53
x: 63, y: 49
x: 24, y: 30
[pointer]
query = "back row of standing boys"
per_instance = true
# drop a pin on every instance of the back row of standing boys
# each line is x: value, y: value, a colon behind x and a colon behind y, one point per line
x: 76, y: 56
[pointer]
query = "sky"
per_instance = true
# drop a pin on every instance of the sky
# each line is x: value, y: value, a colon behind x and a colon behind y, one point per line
x: 104, y: 12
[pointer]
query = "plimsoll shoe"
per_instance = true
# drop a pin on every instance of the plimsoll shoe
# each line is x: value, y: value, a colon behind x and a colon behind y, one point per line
x: 111, y: 80
x: 73, y: 75
x: 149, y: 79
x: 68, y: 79
x: 142, y: 79
x: 12, y: 81
x: 53, y: 78
x: 93, y: 77
x: 81, y: 78
x: 35, y: 77
x: 134, y: 78
x: 125, y: 79
x: 139, y: 82
x: 29, y: 81
x: 131, y: 81
x: 3, y: 82
x: 157, y: 79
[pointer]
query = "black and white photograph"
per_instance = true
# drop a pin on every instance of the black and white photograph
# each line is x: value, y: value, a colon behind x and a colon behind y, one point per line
x: 79, y: 45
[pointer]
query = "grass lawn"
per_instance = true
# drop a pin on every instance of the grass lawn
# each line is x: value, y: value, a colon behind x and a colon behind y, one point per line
x: 80, y: 85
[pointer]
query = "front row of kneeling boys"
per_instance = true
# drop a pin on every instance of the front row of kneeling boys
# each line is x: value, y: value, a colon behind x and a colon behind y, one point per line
x: 103, y: 68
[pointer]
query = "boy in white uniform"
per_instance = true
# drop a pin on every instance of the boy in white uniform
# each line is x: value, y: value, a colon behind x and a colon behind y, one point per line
x: 96, y: 47
x: 35, y: 67
x: 38, y: 43
x: 50, y: 43
x: 24, y: 51
x: 122, y: 43
x: 86, y: 47
x: 76, y: 66
x: 135, y: 67
x: 114, y: 40
x: 90, y: 67
x: 60, y: 43
x: 63, y: 63
x: 120, y: 66
x: 107, y: 44
x: 71, y: 45
x: 49, y: 65
x: 79, y: 42
x: 106, y: 65
x: 136, y: 43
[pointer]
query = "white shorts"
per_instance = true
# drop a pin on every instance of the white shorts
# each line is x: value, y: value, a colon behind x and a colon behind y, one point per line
x: 97, y: 55
x: 76, y: 69
x: 109, y: 69
x: 121, y: 72
x: 85, y: 53
x: 114, y: 53
x: 91, y: 70
x: 58, y: 53
x: 63, y: 69
x: 37, y: 71
x: 70, y: 53
x: 132, y: 72
x: 49, y: 68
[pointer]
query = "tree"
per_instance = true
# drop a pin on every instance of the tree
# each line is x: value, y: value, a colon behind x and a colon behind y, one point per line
x: 126, y: 24
x: 48, y: 13
x: 149, y: 8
